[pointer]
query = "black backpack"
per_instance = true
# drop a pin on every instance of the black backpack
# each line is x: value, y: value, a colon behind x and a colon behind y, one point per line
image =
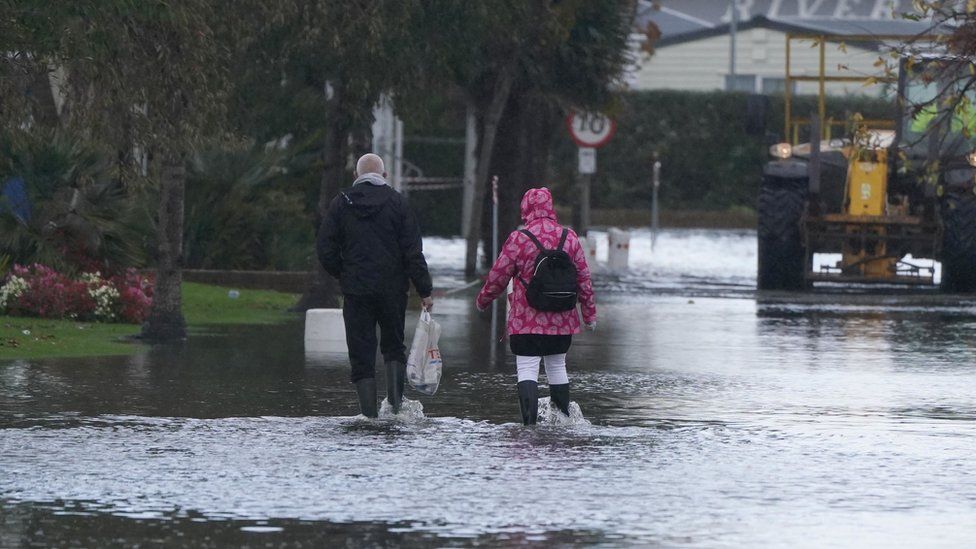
x: 553, y: 284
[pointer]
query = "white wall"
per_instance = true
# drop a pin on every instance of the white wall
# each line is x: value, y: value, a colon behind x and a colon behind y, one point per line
x: 703, y: 64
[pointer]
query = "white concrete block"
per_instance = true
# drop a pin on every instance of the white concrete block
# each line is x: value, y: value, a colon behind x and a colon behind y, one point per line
x: 590, y: 246
x: 619, y: 253
x: 325, y: 331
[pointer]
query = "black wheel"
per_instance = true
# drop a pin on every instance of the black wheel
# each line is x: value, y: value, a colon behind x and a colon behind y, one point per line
x: 959, y: 242
x: 782, y: 258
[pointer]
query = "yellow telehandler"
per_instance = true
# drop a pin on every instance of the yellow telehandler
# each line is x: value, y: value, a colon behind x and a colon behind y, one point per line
x: 880, y: 194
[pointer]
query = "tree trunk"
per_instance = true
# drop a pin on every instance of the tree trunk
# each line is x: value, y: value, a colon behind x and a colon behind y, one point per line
x: 165, y: 322
x: 323, y: 291
x: 521, y: 158
x: 503, y: 86
x: 505, y: 164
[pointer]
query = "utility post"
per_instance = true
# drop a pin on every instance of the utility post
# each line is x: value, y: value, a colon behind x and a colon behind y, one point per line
x: 470, y: 167
x: 388, y: 140
x: 733, y: 30
x: 495, y: 320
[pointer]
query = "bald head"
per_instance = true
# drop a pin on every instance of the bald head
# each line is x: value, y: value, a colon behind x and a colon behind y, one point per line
x: 370, y: 163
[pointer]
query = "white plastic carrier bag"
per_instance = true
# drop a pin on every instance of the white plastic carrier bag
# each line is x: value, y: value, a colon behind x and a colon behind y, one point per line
x: 424, y: 363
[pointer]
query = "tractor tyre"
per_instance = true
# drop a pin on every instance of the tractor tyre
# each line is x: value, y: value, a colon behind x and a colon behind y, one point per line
x: 782, y: 257
x: 959, y: 242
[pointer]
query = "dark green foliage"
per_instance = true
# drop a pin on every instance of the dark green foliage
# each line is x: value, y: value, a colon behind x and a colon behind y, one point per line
x: 81, y: 216
x: 439, y: 211
x: 245, y: 209
x: 959, y: 242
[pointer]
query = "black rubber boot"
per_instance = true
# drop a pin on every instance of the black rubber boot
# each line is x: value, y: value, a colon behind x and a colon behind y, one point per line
x: 366, y: 391
x: 528, y: 392
x: 559, y: 397
x: 396, y: 373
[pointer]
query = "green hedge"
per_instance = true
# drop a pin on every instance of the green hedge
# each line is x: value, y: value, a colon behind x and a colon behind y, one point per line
x: 708, y: 159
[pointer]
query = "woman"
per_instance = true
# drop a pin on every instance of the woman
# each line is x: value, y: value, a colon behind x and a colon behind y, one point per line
x: 534, y: 334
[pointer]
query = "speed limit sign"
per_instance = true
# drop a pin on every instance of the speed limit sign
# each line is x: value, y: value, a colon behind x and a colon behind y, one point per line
x: 590, y: 129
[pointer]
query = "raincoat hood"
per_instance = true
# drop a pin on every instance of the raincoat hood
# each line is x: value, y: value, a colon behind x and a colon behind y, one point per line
x: 537, y: 204
x: 371, y: 178
x: 368, y: 196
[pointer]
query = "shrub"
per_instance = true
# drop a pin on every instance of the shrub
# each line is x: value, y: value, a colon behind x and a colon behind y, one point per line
x: 245, y: 209
x: 38, y: 290
x: 62, y: 205
x: 135, y: 296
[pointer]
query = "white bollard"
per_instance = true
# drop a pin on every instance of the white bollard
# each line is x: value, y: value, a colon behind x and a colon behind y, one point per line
x: 590, y: 243
x: 325, y: 331
x: 619, y: 255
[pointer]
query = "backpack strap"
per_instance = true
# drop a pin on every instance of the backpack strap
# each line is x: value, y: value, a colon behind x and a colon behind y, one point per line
x: 538, y: 244
x: 534, y: 240
x: 562, y: 239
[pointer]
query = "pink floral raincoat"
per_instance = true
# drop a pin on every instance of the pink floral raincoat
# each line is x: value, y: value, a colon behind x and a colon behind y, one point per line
x: 518, y: 256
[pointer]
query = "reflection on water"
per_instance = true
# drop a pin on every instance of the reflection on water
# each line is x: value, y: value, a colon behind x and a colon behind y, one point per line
x: 708, y: 421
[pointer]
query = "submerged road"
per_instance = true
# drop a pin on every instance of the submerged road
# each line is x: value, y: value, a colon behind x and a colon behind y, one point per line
x: 713, y: 416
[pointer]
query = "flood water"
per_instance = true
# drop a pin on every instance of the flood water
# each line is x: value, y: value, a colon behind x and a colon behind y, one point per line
x: 714, y: 416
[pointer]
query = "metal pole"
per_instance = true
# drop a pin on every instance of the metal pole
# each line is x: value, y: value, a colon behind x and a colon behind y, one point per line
x: 470, y: 164
x: 788, y: 94
x: 398, y: 155
x: 733, y: 28
x: 822, y: 100
x: 585, y: 182
x: 654, y: 210
x: 494, y: 254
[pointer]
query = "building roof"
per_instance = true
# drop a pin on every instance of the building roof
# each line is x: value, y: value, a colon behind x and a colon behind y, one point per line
x: 683, y: 20
x: 795, y: 26
x: 904, y: 28
x: 715, y: 12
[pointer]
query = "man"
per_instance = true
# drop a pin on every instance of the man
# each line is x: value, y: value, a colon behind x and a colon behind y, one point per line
x: 370, y: 241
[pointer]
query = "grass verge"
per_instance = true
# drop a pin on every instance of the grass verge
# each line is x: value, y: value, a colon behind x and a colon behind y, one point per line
x: 203, y: 305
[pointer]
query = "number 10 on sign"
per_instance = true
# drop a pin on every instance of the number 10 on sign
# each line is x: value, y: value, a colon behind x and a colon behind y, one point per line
x: 590, y: 129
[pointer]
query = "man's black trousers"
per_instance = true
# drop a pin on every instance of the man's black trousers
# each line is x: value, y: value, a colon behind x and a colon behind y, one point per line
x: 361, y: 314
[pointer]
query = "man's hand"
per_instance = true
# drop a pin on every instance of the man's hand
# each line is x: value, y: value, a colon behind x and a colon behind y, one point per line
x: 427, y: 303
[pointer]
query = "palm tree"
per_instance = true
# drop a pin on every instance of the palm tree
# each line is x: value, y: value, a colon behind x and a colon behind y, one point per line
x: 71, y: 213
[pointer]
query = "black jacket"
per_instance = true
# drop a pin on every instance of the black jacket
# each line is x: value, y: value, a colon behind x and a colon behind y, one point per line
x: 370, y: 241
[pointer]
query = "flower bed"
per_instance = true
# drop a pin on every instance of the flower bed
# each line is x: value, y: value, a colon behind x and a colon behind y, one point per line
x: 40, y: 291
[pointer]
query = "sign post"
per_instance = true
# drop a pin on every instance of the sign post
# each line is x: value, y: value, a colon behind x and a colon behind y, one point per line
x: 656, y: 182
x: 589, y: 131
x: 494, y: 256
